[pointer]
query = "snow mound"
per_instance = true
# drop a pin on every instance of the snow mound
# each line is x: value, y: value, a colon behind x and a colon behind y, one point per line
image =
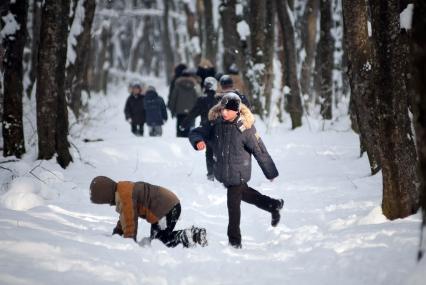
x: 23, y: 194
x: 374, y: 217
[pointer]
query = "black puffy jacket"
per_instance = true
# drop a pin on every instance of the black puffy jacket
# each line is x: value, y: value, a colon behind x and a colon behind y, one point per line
x: 233, y: 144
x: 135, y: 109
x: 155, y: 109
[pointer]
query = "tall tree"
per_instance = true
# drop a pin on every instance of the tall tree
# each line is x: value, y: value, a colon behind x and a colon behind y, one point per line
x: 14, y: 43
x: 76, y: 71
x: 397, y: 151
x: 418, y: 49
x: 360, y: 60
x: 167, y: 46
x: 209, y: 35
x: 308, y: 37
x: 35, y: 41
x: 256, y: 55
x: 52, y: 115
x: 269, y: 53
x: 325, y: 53
x: 294, y: 102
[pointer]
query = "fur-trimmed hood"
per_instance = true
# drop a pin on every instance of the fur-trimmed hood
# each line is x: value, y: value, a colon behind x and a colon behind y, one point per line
x: 246, y: 116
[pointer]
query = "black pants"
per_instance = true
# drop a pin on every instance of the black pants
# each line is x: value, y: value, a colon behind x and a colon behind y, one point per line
x: 209, y: 160
x: 183, y: 133
x: 249, y: 195
x: 168, y: 236
x: 137, y: 129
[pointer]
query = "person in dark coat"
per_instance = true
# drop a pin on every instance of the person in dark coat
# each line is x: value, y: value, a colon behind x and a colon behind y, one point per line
x: 234, y: 139
x: 155, y: 112
x: 153, y: 203
x: 183, y: 98
x: 227, y: 84
x: 202, y: 108
x: 134, y: 110
x: 178, y: 73
x: 205, y: 69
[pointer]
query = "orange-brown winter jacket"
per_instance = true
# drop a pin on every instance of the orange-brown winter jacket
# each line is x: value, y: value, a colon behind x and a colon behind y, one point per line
x: 144, y: 200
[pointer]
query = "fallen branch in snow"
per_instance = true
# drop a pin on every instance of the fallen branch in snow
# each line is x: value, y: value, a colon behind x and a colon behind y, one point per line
x: 35, y: 176
x: 8, y: 161
x: 5, y: 168
x: 93, y: 140
x: 80, y: 157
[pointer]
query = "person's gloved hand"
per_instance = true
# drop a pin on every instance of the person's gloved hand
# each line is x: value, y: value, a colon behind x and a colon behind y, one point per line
x: 181, y: 128
x: 201, y: 145
x: 129, y: 120
x: 118, y: 231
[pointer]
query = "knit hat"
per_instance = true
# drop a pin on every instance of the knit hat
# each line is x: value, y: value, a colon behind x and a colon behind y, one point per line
x: 102, y: 190
x: 226, y: 81
x: 210, y: 83
x: 231, y: 101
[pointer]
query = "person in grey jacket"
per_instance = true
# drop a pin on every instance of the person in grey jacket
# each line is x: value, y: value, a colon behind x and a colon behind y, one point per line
x: 234, y: 139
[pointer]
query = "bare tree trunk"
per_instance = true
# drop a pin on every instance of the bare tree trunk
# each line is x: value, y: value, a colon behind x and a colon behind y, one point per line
x: 14, y: 43
x: 269, y: 52
x: 76, y: 71
x: 35, y: 33
x: 191, y: 21
x: 398, y: 155
x: 168, y: 51
x: 418, y: 49
x: 209, y: 33
x: 309, y: 33
x: 52, y: 115
x: 231, y: 39
x: 294, y: 103
x: 325, y: 50
x: 360, y: 60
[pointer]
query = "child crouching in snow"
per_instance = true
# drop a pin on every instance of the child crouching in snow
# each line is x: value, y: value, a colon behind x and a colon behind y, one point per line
x: 233, y: 137
x: 150, y: 202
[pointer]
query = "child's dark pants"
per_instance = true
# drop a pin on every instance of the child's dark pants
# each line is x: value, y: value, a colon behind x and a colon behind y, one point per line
x: 239, y: 193
x: 168, y: 236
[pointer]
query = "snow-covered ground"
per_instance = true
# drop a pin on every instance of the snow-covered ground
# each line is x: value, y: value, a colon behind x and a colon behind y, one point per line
x: 332, y: 231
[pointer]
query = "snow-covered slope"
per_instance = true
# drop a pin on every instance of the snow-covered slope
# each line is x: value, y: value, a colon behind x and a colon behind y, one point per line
x: 332, y: 230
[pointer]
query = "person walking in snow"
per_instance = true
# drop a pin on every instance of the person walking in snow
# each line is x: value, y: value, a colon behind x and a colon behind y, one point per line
x: 227, y: 85
x: 183, y: 98
x: 134, y: 110
x: 157, y: 205
x: 155, y: 112
x: 205, y: 69
x: 233, y: 137
x: 202, y: 108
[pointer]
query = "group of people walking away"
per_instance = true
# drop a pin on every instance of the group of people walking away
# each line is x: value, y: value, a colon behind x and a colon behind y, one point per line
x: 227, y: 134
x: 145, y: 106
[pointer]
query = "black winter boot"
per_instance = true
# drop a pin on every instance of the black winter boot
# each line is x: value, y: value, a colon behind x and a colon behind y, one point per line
x: 276, y: 216
x: 199, y: 235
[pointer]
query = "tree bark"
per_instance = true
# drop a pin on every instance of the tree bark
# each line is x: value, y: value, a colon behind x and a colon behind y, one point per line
x: 293, y: 100
x: 75, y: 72
x: 35, y: 41
x: 233, y: 52
x: 13, y: 131
x: 397, y: 152
x: 418, y: 50
x: 52, y: 115
x: 209, y: 33
x: 168, y: 51
x: 360, y: 61
x: 325, y: 50
x: 269, y: 52
x: 309, y: 33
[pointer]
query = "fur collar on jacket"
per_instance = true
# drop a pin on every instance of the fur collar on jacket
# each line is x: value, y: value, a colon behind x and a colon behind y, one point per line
x: 244, y: 122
